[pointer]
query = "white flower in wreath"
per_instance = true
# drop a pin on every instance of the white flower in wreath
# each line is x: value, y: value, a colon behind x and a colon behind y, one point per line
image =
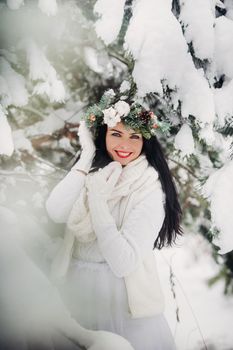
x: 122, y: 108
x: 111, y: 117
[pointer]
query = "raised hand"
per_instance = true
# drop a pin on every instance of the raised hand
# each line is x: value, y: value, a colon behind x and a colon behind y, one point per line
x: 103, y: 183
x: 86, y: 138
x: 88, y: 148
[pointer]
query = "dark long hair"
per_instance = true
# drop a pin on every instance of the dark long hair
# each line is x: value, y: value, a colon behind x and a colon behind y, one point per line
x: 155, y: 156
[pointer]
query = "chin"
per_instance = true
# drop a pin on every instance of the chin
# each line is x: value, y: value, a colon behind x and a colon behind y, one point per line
x: 124, y: 161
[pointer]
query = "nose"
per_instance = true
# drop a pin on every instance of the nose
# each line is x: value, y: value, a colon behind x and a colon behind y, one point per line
x: 124, y: 144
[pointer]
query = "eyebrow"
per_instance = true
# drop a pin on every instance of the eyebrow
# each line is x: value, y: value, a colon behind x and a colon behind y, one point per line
x: 132, y: 133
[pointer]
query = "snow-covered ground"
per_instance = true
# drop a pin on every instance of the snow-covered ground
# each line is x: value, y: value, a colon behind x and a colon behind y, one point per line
x: 206, y: 314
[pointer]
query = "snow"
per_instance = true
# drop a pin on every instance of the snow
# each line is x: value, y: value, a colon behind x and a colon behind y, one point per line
x: 4, y: 93
x: 39, y: 66
x: 218, y: 189
x: 20, y: 141
x: 161, y: 54
x: 224, y: 102
x: 220, y: 4
x: 6, y: 142
x: 2, y: 195
x: 38, y: 200
x: 184, y: 140
x: 64, y: 143
x: 223, y: 57
x: 91, y: 59
x: 198, y: 20
x: 15, y: 83
x: 205, y: 312
x: 7, y: 215
x: 45, y: 127
x: 109, y: 24
x: 49, y: 7
x: 196, y: 96
x: 54, y: 90
x: 9, y: 56
x: 41, y: 69
x: 223, y: 145
x: 160, y: 49
x: 207, y: 133
x: 15, y: 4
x: 229, y: 7
x: 68, y: 113
x: 223, y: 54
x: 37, y: 308
x: 125, y: 86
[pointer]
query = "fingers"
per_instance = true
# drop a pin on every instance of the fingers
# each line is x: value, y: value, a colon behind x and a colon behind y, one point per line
x: 104, y: 181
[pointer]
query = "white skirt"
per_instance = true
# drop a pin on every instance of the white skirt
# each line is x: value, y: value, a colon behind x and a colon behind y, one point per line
x: 97, y: 299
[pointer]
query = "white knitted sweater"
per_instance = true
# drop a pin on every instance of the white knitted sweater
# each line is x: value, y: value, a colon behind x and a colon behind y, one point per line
x: 127, y: 249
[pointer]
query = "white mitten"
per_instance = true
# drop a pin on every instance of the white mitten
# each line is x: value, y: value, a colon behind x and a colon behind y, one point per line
x: 88, y: 148
x: 102, y: 183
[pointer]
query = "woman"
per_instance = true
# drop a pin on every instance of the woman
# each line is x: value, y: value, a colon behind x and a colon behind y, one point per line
x: 118, y: 202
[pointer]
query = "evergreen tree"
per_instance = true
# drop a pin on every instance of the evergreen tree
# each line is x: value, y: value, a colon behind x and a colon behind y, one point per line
x: 59, y: 58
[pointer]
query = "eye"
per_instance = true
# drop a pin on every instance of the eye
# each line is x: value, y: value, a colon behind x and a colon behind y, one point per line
x: 115, y: 134
x: 135, y: 137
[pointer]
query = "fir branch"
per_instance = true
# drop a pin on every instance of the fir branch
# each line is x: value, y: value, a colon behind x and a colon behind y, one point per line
x: 227, y: 129
x: 184, y: 167
x: 188, y: 302
x: 33, y: 110
x: 120, y: 58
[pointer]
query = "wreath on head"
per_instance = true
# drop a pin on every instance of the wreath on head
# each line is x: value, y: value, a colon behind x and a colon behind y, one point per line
x: 113, y: 109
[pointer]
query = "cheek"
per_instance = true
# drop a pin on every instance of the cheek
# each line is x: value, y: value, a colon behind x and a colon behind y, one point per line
x: 138, y: 147
x: 109, y: 143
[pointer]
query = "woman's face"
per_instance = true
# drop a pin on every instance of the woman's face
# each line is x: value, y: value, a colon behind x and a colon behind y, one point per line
x: 123, y: 145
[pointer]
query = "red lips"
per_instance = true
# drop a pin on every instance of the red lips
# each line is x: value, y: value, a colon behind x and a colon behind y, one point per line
x: 123, y: 154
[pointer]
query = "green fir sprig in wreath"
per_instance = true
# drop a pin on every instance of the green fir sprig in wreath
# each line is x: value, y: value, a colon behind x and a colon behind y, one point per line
x: 111, y: 110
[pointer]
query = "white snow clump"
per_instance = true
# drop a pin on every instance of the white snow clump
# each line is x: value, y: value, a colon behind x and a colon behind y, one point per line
x: 111, y: 16
x: 14, y: 4
x: 49, y: 7
x: 6, y: 142
x: 184, y: 140
x: 218, y: 189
